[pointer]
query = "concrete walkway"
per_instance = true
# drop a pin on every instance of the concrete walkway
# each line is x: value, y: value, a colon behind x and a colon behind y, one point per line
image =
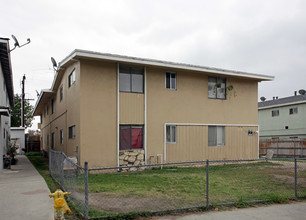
x: 24, y: 193
x: 296, y: 211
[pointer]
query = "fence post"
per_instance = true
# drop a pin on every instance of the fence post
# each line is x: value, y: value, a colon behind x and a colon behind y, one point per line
x: 62, y: 170
x: 207, y: 184
x: 295, y: 178
x: 50, y: 164
x: 86, y: 190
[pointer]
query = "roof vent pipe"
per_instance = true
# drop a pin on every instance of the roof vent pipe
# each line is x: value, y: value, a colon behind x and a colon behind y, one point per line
x: 295, y: 93
x: 276, y: 97
x: 273, y: 97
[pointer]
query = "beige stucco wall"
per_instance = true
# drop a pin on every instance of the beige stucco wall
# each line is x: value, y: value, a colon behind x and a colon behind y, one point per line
x: 67, y: 113
x: 131, y: 108
x: 91, y: 104
x: 189, y: 103
x: 98, y: 113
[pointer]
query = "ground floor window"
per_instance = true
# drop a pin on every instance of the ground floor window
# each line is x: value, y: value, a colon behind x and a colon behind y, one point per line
x: 131, y: 137
x: 61, y: 137
x: 52, y: 140
x: 216, y: 136
x: 171, y: 133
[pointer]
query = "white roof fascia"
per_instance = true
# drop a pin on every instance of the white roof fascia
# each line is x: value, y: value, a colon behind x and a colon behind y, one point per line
x: 159, y: 63
x: 40, y: 96
x: 281, y: 105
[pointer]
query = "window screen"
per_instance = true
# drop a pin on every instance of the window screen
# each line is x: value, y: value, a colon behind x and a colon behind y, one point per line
x: 131, y: 137
x: 171, y: 133
x: 216, y: 88
x: 170, y: 80
x: 216, y: 135
x: 131, y: 79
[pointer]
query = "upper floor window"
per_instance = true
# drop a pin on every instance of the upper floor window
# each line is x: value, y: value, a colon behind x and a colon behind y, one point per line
x: 71, y: 78
x: 131, y: 79
x: 216, y: 87
x: 72, y: 132
x: 52, y: 106
x: 216, y: 136
x: 61, y: 93
x: 170, y: 80
x: 293, y: 111
x: 275, y: 113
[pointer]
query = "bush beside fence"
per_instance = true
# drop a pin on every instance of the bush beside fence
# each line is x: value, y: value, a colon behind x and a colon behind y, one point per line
x: 104, y: 192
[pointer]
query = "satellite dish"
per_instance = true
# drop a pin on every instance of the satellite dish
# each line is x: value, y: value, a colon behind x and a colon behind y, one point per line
x: 54, y: 64
x: 16, y: 41
x: 16, y: 44
x: 302, y: 92
x: 262, y: 99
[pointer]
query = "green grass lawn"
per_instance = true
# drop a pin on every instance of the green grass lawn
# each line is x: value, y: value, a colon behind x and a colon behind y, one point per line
x: 180, y: 187
x: 183, y: 186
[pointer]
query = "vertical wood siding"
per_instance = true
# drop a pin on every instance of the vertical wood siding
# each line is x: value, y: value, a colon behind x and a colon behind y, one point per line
x: 131, y: 108
x: 192, y: 144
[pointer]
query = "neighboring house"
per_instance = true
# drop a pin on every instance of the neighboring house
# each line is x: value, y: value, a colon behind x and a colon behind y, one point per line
x: 18, y: 138
x: 6, y: 96
x: 283, y: 118
x: 119, y: 110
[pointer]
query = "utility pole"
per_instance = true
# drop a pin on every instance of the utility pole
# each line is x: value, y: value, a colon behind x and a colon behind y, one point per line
x: 22, y: 101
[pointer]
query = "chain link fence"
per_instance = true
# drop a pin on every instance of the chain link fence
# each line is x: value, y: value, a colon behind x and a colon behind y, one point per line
x: 70, y: 177
x: 112, y: 191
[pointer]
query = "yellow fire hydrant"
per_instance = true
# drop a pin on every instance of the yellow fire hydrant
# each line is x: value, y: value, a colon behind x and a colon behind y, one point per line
x: 60, y: 205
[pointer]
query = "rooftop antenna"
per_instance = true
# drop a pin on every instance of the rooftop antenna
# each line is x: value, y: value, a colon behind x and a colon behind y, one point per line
x: 37, y: 93
x: 262, y: 98
x: 54, y: 64
x: 302, y: 92
x: 16, y: 44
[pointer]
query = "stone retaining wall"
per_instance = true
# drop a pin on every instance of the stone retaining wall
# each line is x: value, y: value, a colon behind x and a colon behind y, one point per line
x: 132, y: 158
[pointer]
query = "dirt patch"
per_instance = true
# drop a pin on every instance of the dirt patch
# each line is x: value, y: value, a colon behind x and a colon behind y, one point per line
x: 110, y: 204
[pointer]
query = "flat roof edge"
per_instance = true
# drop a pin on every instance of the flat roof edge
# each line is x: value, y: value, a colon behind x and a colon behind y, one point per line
x: 280, y: 105
x: 160, y: 63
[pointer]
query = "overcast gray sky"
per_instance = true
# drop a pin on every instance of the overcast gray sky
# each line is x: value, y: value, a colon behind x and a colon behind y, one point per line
x: 264, y: 37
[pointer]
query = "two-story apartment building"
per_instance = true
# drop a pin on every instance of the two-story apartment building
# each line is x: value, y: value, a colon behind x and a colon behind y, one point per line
x: 282, y: 118
x: 119, y: 110
x: 6, y: 96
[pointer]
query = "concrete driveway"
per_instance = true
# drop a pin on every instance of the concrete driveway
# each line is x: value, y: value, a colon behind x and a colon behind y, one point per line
x: 24, y: 193
x: 296, y: 211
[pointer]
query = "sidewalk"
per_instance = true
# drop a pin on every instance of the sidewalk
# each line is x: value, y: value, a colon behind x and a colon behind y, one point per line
x: 296, y: 211
x: 24, y: 193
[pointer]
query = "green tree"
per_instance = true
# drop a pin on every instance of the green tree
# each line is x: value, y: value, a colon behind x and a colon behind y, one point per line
x: 16, y: 113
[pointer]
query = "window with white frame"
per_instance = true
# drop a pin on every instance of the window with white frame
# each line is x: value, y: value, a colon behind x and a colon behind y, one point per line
x: 216, y: 136
x: 71, y: 78
x: 131, y: 79
x: 293, y: 111
x: 71, y: 132
x: 61, y: 137
x: 216, y: 87
x: 131, y: 137
x: 171, y: 133
x: 275, y: 113
x: 170, y: 80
